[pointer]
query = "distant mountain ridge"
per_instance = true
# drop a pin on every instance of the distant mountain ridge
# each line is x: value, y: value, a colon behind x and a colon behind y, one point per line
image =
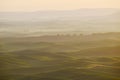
x: 41, y: 15
x: 82, y: 20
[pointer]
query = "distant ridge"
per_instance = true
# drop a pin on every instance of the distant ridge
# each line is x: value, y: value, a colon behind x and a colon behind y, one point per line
x: 49, y: 22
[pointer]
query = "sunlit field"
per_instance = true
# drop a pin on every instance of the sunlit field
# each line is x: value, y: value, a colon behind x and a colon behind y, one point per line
x: 60, y: 45
x: 87, y: 57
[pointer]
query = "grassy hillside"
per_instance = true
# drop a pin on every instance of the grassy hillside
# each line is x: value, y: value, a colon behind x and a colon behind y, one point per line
x: 78, y: 57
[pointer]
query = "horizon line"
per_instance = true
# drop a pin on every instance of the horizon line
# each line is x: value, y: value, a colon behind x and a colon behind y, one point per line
x: 57, y: 10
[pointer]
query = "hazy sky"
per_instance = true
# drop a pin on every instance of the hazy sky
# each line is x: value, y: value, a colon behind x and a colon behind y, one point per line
x: 34, y: 5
